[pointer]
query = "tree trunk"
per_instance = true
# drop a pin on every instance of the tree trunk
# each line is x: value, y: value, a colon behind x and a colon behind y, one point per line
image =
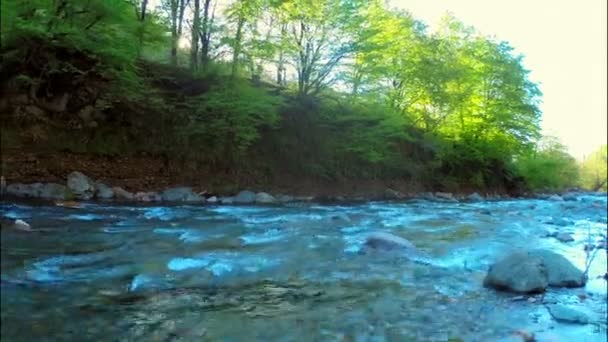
x: 174, y: 35
x: 194, y: 39
x: 237, y: 46
x: 206, y: 34
x: 144, y: 4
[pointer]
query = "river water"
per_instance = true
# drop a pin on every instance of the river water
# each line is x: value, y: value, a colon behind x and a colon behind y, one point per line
x: 295, y: 272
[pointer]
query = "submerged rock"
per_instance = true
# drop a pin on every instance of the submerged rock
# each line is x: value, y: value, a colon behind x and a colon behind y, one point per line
x: 245, y: 197
x: 564, y: 237
x: 388, y: 242
x: 556, y: 198
x: 563, y: 313
x: 532, y: 272
x: 16, y: 224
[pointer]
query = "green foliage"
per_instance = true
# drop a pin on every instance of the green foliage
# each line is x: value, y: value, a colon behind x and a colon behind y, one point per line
x: 450, y: 108
x: 550, y: 167
x: 227, y: 119
x: 594, y: 171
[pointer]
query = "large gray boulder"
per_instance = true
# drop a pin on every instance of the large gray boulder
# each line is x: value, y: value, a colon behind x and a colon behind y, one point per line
x: 532, y: 272
x: 245, y: 197
x: 81, y: 186
x: 54, y: 191
x: 560, y: 271
x: 518, y: 272
x: 264, y: 198
x: 181, y: 194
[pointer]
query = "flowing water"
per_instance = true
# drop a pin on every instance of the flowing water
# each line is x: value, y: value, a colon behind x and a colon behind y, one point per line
x: 289, y: 273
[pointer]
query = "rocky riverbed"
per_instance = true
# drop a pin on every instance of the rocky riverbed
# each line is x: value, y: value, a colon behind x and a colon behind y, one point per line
x: 411, y: 270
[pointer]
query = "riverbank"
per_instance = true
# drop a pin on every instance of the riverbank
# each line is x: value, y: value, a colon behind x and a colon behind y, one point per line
x: 80, y: 187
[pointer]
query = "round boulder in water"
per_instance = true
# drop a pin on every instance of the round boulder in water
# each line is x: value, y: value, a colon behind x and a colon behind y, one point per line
x: 388, y: 242
x: 518, y: 272
x: 532, y: 272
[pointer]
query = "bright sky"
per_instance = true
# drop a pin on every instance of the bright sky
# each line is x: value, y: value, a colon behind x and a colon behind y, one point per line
x: 564, y: 44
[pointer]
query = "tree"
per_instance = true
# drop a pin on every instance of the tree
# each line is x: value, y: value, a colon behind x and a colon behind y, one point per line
x: 195, y: 36
x: 549, y: 167
x: 594, y: 170
x: 317, y: 41
x: 176, y: 9
x: 205, y: 32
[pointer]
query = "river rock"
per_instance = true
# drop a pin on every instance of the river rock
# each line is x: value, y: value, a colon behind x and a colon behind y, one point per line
x: 285, y: 198
x: 264, y: 198
x: 391, y: 194
x: 212, y: 199
x: 227, y: 200
x: 180, y: 194
x: 560, y: 271
x: 563, y: 313
x: 559, y: 222
x: 147, y: 196
x: 22, y: 225
x: 103, y: 191
x: 445, y: 195
x: 21, y: 190
x: 245, y: 197
x: 122, y: 194
x: 564, y: 237
x: 570, y: 197
x: 533, y: 271
x: 54, y: 191
x: 518, y: 272
x: 474, y: 197
x: 81, y: 186
x: 387, y: 242
x: 556, y: 198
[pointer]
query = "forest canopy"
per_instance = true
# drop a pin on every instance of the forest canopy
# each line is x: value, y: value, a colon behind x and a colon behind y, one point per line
x: 324, y: 88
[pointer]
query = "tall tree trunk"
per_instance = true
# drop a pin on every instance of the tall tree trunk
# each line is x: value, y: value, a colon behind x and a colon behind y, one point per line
x: 178, y: 8
x: 237, y: 45
x: 174, y: 34
x: 194, y: 37
x: 281, y: 62
x: 206, y: 34
x: 144, y: 4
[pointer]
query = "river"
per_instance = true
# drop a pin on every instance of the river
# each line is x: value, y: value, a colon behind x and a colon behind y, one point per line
x: 293, y: 272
